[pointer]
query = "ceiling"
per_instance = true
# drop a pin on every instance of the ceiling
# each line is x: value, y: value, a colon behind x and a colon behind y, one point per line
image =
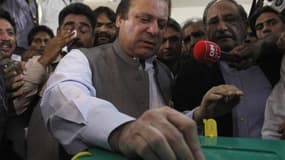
x: 192, y: 3
x: 175, y: 3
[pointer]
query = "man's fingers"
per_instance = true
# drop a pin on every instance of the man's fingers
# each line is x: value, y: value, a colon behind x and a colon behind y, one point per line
x: 175, y: 139
x: 189, y: 130
x: 157, y: 145
x: 156, y: 138
x: 142, y: 139
x: 144, y: 152
x: 225, y: 90
x: 14, y: 83
x: 17, y: 85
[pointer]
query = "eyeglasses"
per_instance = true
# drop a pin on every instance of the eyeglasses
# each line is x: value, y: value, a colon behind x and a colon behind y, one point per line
x: 171, y: 39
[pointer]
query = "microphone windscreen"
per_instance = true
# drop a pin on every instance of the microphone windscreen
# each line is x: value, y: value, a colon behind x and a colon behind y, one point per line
x: 206, y: 52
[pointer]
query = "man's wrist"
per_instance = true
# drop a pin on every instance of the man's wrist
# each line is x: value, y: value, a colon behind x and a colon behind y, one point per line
x: 115, y: 136
x: 197, y: 114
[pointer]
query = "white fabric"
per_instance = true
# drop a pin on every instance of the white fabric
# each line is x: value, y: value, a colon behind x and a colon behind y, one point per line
x: 275, y: 108
x: 155, y: 98
x: 75, y: 116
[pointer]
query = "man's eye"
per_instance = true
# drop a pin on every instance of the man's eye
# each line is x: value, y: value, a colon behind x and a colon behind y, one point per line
x: 198, y: 34
x: 99, y: 24
x: 272, y: 22
x: 231, y: 19
x: 212, y: 21
x: 110, y: 25
x: 174, y: 39
x: 11, y: 33
x: 144, y: 19
x: 162, y: 25
x: 258, y: 27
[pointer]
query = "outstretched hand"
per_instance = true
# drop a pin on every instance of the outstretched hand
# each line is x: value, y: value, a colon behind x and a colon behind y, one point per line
x: 158, y: 134
x: 218, y: 101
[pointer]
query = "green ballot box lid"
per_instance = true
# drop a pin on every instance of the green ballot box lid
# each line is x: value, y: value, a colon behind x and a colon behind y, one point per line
x: 219, y: 148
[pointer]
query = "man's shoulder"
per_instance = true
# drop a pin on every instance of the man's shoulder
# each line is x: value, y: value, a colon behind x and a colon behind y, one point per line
x: 98, y: 51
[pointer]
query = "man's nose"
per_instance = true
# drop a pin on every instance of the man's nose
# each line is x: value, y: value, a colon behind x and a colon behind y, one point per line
x: 222, y: 26
x: 153, y: 28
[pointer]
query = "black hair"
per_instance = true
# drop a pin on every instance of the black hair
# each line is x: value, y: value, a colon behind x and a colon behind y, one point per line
x: 36, y: 30
x: 6, y: 15
x: 242, y: 12
x: 124, y: 7
x: 78, y: 9
x: 258, y: 12
x: 192, y: 21
x: 108, y: 11
x: 174, y: 24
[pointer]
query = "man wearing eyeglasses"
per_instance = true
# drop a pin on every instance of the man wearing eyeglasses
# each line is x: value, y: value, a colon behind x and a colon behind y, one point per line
x: 170, y: 49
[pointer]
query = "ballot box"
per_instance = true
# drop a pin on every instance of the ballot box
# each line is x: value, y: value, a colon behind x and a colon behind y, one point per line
x: 218, y: 148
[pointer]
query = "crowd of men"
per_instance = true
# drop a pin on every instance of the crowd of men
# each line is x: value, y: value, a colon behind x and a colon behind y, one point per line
x: 127, y: 81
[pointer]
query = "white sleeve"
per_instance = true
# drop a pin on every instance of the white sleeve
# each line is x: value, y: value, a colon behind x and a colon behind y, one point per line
x: 71, y: 110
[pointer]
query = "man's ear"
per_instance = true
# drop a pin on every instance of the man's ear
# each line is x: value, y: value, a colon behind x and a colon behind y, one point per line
x: 118, y: 21
x: 57, y: 30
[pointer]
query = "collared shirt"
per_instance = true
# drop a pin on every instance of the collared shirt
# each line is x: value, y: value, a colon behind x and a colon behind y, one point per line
x: 275, y: 108
x: 248, y: 115
x: 70, y: 101
x: 154, y: 95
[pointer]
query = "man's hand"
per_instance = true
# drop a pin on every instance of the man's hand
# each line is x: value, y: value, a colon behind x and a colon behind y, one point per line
x: 281, y: 130
x: 247, y: 53
x: 158, y: 134
x: 54, y: 46
x: 29, y: 53
x: 281, y: 41
x: 218, y: 101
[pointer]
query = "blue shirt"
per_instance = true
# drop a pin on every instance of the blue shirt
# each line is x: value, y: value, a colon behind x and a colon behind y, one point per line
x: 248, y: 115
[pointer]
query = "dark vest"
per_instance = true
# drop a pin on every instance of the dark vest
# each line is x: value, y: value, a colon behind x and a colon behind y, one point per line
x: 120, y: 79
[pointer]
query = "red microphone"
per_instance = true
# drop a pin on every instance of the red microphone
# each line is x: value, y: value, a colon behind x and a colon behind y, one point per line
x: 208, y: 52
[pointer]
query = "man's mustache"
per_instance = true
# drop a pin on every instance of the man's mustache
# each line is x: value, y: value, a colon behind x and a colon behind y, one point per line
x: 5, y: 43
x: 76, y: 43
x: 103, y: 34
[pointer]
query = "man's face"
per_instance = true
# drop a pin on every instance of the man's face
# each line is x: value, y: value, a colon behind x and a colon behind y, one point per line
x: 105, y: 30
x: 170, y: 48
x: 84, y: 29
x: 7, y: 38
x: 268, y: 23
x: 224, y: 25
x: 250, y: 36
x: 192, y: 34
x: 140, y: 34
x: 40, y: 41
